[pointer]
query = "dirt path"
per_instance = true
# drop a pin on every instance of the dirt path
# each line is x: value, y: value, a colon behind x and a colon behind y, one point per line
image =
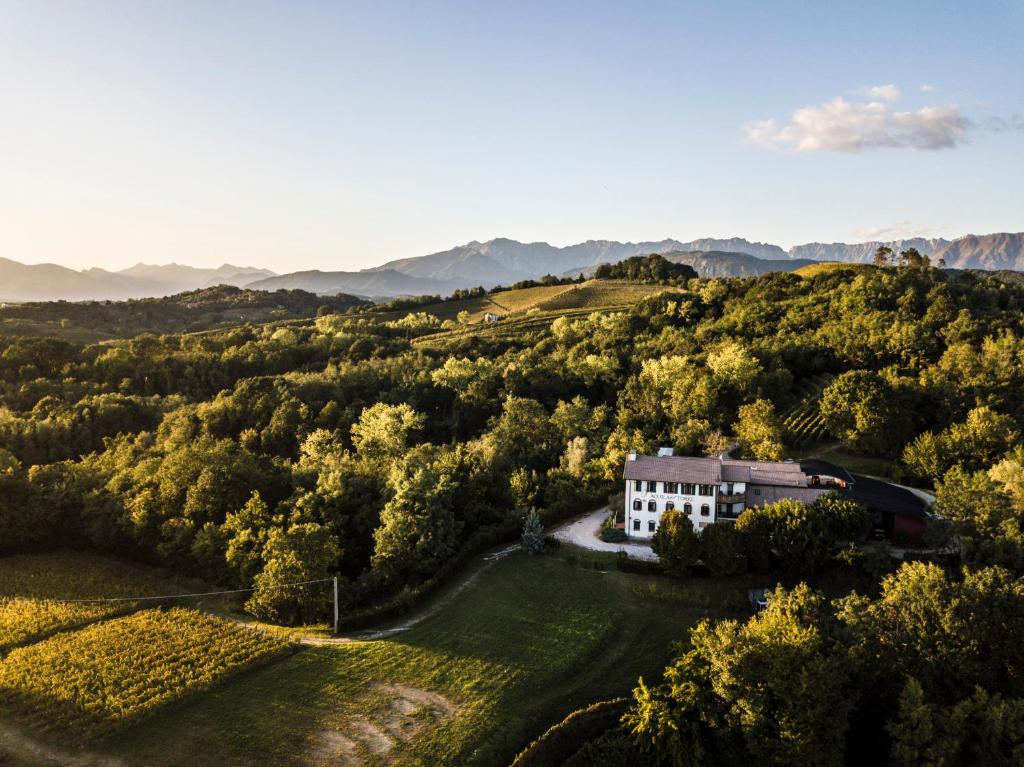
x: 421, y: 613
x: 21, y: 746
x: 581, y: 531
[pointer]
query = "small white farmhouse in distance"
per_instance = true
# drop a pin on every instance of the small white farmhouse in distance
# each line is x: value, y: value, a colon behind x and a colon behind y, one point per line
x: 706, y: 490
x: 491, y: 317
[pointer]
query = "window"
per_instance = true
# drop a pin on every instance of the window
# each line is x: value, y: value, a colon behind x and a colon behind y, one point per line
x: 688, y: 508
x: 636, y: 525
x: 705, y: 510
x: 638, y: 485
x: 650, y: 526
x: 669, y: 505
x: 637, y: 505
x: 757, y: 491
x: 672, y: 487
x: 707, y: 490
x: 728, y: 488
x: 652, y: 487
x: 652, y: 506
x: 689, y: 489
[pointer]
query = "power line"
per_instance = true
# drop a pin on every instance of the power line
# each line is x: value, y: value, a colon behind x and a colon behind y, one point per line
x: 186, y: 596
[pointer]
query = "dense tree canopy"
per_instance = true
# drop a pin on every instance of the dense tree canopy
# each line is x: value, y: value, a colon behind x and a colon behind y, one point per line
x: 403, y: 438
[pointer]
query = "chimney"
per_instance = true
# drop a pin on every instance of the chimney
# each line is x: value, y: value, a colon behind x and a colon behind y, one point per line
x: 632, y: 455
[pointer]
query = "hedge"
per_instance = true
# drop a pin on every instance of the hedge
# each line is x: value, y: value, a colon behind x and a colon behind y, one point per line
x: 567, y: 737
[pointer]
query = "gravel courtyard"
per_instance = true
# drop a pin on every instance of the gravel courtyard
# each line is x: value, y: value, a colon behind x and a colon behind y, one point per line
x: 584, y: 531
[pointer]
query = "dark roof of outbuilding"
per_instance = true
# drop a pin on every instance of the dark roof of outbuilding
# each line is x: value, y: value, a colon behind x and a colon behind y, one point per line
x: 812, y: 466
x: 879, y: 495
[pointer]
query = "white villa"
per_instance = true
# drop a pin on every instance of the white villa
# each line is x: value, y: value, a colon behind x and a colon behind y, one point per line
x: 707, y: 490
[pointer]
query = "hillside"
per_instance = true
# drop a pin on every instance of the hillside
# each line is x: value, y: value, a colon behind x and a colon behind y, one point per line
x: 724, y: 264
x: 496, y: 262
x: 196, y: 310
x: 990, y: 251
x: 502, y: 261
x: 863, y: 252
x: 50, y: 282
x: 717, y: 263
x: 380, y: 283
x: 428, y: 695
x: 392, y: 449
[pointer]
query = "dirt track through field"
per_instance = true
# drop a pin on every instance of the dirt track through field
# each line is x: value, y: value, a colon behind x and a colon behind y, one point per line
x: 420, y: 614
x: 377, y: 733
x: 21, y: 746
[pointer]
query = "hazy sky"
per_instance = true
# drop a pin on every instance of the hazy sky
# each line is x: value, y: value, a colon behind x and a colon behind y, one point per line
x: 337, y: 135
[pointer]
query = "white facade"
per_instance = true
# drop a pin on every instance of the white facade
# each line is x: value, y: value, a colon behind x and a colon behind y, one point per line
x: 706, y: 490
x: 698, y: 502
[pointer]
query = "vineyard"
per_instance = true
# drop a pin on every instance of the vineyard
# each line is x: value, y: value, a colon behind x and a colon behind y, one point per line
x: 108, y: 674
x: 33, y: 589
x: 24, y: 620
x: 803, y: 422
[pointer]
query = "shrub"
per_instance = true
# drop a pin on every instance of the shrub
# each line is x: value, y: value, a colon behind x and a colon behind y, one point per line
x: 610, y: 533
x: 564, y: 739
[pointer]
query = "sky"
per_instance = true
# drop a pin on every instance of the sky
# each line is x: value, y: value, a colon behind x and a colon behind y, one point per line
x: 335, y: 135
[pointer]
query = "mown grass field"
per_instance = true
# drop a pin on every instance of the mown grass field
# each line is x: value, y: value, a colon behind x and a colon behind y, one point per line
x: 512, y: 304
x: 812, y: 270
x: 859, y: 464
x: 597, y: 294
x: 532, y: 639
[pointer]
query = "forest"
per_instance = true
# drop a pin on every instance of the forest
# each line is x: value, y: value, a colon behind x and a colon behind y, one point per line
x: 388, y: 448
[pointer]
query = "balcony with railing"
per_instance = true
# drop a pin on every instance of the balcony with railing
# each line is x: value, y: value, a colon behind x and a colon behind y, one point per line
x: 731, y: 497
x: 729, y: 511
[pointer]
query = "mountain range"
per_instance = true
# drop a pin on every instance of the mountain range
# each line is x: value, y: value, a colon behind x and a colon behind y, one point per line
x: 50, y: 282
x: 495, y: 262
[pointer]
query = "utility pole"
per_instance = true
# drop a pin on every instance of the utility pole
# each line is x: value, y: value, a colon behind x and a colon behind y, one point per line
x: 335, y: 604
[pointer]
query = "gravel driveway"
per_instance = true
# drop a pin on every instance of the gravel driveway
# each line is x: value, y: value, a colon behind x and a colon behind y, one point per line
x: 584, y: 530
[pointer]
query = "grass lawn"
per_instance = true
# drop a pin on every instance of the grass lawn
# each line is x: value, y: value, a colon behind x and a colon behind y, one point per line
x: 858, y: 464
x: 531, y: 640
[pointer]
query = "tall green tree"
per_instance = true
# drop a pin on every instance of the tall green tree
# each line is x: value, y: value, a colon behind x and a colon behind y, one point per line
x: 418, y: 527
x: 675, y: 542
x: 305, y: 552
x: 759, y: 431
x: 773, y: 691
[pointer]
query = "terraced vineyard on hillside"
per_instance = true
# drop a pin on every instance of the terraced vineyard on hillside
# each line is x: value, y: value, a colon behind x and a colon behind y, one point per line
x: 803, y: 422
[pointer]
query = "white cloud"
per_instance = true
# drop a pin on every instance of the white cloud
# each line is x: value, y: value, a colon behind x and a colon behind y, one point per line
x: 926, y: 88
x: 899, y: 230
x: 888, y: 92
x: 998, y: 124
x: 844, y: 126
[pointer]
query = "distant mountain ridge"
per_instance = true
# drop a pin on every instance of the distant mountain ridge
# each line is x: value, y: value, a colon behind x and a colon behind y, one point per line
x: 500, y: 261
x: 863, y: 252
x: 719, y: 263
x: 51, y: 282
